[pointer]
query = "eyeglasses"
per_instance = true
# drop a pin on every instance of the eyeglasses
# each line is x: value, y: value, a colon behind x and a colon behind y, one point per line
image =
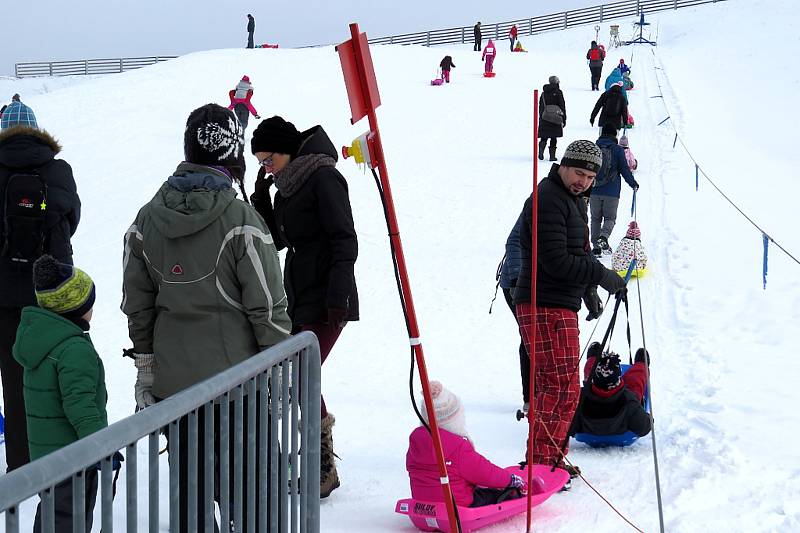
x: 267, y: 161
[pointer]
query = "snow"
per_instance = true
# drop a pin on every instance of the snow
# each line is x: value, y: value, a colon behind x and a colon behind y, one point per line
x: 459, y: 157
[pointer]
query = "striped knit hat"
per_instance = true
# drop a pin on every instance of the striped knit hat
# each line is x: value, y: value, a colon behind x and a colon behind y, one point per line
x: 583, y: 154
x: 633, y: 231
x: 62, y: 288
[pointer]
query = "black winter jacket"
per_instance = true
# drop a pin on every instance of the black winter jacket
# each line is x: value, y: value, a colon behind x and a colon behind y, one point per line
x: 316, y: 225
x: 251, y: 25
x: 447, y: 63
x: 565, y: 266
x: 476, y: 32
x: 615, y: 108
x: 32, y: 151
x: 551, y: 95
x: 610, y: 416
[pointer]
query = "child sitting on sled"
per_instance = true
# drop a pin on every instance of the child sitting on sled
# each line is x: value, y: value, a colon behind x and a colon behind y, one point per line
x: 518, y: 47
x: 630, y: 247
x: 610, y: 403
x: 474, y: 480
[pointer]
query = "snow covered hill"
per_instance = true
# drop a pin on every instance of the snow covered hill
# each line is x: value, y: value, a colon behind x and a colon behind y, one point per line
x: 724, y: 350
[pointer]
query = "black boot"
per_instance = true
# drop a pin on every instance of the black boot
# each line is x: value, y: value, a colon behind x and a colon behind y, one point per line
x: 542, y: 143
x: 553, y: 153
x: 642, y: 356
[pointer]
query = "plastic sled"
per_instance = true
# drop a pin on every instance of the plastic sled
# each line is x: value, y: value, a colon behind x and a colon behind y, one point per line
x: 437, y: 81
x: 622, y: 440
x: 637, y: 273
x: 488, y: 74
x: 432, y: 516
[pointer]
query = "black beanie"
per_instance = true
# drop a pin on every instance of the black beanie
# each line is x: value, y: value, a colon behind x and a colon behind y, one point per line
x: 214, y: 137
x: 276, y: 135
x: 607, y: 371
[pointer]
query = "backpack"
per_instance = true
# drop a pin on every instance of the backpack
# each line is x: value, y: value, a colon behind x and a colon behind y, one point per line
x: 594, y: 54
x: 24, y: 212
x: 608, y: 169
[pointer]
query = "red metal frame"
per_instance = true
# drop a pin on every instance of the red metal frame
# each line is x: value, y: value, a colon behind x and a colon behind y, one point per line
x: 534, y: 268
x: 362, y: 91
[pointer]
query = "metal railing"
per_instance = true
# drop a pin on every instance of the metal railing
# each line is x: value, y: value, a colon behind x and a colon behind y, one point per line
x: 85, y: 66
x: 264, y: 488
x: 542, y: 23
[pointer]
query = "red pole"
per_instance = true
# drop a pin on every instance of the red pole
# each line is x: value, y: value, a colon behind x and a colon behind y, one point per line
x: 532, y: 334
x: 413, y: 328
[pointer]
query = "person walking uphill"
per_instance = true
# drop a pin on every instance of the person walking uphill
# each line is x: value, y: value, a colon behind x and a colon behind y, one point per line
x: 488, y: 56
x: 312, y: 218
x: 512, y: 35
x: 476, y: 34
x: 251, y: 28
x: 64, y: 380
x: 614, y: 108
x: 552, y: 116
x: 240, y: 101
x: 446, y: 64
x: 595, y: 56
x: 566, y: 272
x: 201, y: 283
x: 41, y: 213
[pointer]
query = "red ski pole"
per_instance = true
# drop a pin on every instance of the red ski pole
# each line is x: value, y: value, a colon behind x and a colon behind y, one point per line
x: 363, y: 94
x: 532, y: 333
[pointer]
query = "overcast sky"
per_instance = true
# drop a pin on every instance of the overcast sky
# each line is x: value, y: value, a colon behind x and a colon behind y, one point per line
x: 52, y: 30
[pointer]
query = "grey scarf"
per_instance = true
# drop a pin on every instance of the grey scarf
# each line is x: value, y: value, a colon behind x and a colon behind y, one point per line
x: 295, y: 174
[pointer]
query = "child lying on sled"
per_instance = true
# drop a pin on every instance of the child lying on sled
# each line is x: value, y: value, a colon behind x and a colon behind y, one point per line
x: 474, y: 480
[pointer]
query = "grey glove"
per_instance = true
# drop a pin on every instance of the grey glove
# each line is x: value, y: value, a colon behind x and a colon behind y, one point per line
x: 612, y: 282
x: 592, y: 302
x: 143, y: 389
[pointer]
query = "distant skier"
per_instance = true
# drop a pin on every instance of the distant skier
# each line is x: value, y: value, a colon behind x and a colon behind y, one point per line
x: 476, y: 32
x: 614, y: 108
x: 446, y: 64
x: 512, y: 35
x: 488, y: 56
x: 240, y: 101
x: 251, y: 28
x: 596, y: 55
x: 552, y: 116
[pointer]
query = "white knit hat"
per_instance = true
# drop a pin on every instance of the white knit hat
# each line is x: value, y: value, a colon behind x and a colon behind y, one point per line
x: 448, y: 409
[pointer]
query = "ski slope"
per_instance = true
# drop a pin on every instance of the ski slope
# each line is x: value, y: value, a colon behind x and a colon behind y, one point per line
x: 724, y: 359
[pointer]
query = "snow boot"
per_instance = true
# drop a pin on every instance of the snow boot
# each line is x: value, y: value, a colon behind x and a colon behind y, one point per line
x: 542, y: 144
x: 573, y: 472
x: 328, y: 477
x: 602, y: 243
x: 553, y: 153
x: 642, y: 356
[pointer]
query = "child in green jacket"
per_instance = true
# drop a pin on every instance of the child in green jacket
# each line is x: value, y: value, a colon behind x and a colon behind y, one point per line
x: 63, y: 379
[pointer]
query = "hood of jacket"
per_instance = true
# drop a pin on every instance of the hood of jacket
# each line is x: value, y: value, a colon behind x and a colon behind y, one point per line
x: 316, y: 141
x: 23, y: 147
x: 191, y: 199
x: 550, y: 88
x: 40, y: 331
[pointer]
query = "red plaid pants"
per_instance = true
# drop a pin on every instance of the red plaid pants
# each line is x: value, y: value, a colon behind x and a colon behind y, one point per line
x: 557, y: 382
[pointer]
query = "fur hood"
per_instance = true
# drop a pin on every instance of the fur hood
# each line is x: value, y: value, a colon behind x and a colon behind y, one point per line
x: 41, y: 135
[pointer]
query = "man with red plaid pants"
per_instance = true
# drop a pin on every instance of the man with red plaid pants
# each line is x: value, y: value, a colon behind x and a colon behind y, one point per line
x: 566, y: 273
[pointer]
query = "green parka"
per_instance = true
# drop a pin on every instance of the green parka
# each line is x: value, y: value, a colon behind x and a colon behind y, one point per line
x: 63, y: 381
x: 202, y: 284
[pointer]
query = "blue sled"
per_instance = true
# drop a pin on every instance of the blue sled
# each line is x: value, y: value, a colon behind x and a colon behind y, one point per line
x: 622, y: 440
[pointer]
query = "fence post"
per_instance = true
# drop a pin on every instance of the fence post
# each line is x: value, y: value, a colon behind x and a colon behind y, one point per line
x: 427, y: 38
x: 565, y: 20
x: 638, y: 7
x: 51, y: 69
x: 530, y: 26
x: 463, y: 38
x: 601, y: 12
x: 497, y: 32
x: 16, y: 70
x: 391, y: 39
x: 85, y: 67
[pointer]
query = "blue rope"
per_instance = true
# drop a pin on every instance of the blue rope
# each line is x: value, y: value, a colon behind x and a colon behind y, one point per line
x: 766, y: 252
x: 696, y: 177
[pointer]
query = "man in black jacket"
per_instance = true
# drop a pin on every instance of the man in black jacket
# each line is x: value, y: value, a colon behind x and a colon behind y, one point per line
x: 614, y: 106
x: 251, y: 28
x: 476, y: 32
x: 565, y: 273
x: 38, y: 195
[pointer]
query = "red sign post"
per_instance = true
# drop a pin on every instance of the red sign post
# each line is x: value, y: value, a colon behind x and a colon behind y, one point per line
x: 362, y: 92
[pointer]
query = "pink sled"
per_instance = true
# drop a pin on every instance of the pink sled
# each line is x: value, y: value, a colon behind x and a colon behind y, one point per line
x: 432, y: 516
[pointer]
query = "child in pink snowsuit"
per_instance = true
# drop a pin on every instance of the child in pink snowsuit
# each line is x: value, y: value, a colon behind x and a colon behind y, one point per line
x: 240, y: 101
x: 488, y: 56
x: 474, y: 480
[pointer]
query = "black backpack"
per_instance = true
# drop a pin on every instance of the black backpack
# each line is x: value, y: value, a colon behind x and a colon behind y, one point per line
x: 24, y: 213
x: 608, y: 169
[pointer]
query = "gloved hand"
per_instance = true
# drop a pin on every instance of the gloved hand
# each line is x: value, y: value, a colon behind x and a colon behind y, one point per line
x: 592, y: 302
x: 591, y: 121
x: 143, y: 389
x: 263, y: 183
x: 612, y: 282
x: 337, y: 317
x: 518, y: 483
x: 116, y: 462
x: 635, y: 186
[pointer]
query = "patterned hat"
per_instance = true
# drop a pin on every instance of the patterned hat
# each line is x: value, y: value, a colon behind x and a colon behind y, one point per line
x: 214, y: 137
x: 633, y: 231
x: 18, y: 114
x: 62, y: 288
x: 583, y: 154
x: 607, y: 372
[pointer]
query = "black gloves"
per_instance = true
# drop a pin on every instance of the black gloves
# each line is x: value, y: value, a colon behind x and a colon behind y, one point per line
x: 591, y: 121
x: 592, y: 302
x: 612, y: 282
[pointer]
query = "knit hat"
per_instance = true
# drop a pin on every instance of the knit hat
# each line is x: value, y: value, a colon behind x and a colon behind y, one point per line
x: 633, y: 231
x: 607, y: 372
x: 18, y: 114
x: 583, y: 154
x: 608, y: 129
x: 246, y: 78
x: 276, y: 135
x: 448, y: 409
x: 62, y: 288
x: 553, y: 80
x: 624, y: 141
x: 214, y: 137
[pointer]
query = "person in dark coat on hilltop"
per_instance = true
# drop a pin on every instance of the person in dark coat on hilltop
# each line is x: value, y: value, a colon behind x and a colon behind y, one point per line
x: 614, y: 108
x: 612, y: 403
x: 595, y: 56
x: 446, y: 64
x: 476, y: 33
x: 28, y: 170
x: 311, y: 216
x: 566, y: 273
x: 552, y: 116
x: 251, y: 28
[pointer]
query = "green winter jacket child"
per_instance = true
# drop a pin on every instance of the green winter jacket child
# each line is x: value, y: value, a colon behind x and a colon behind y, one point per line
x: 63, y: 381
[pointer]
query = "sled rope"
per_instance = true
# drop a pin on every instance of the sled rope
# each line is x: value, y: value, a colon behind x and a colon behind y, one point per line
x: 700, y: 170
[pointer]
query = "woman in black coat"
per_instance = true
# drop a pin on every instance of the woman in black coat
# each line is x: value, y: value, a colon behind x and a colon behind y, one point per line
x: 551, y: 119
x: 312, y: 218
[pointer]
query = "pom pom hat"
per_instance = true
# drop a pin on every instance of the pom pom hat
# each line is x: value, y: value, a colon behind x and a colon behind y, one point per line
x: 448, y: 409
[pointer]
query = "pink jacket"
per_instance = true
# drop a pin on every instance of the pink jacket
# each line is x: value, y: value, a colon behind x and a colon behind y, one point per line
x: 465, y: 467
x: 488, y: 50
x: 245, y: 101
